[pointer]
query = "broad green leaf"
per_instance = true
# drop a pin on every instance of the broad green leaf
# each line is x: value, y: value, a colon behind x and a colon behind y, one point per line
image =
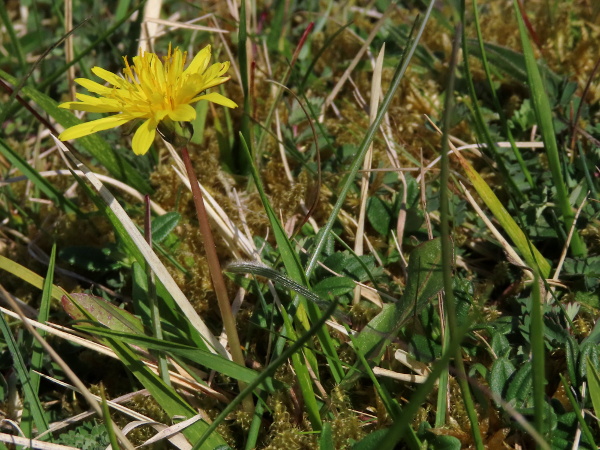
x: 371, y: 441
x: 335, y: 286
x: 379, y: 215
x: 163, y: 225
x: 501, y: 371
x: 519, y: 390
x: 102, y: 311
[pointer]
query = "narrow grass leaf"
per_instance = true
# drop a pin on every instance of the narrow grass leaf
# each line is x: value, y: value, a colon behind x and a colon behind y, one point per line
x: 28, y: 276
x: 207, y: 359
x: 32, y: 401
x: 532, y: 255
x: 543, y: 113
x: 364, y: 146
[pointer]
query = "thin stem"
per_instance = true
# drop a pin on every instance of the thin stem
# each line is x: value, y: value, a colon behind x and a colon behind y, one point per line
x: 216, y: 275
x: 538, y: 355
x: 448, y: 254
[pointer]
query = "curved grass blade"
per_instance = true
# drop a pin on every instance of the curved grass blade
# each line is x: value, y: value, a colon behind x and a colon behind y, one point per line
x: 364, y: 146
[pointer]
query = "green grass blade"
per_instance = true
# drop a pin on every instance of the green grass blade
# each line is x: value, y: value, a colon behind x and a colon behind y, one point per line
x: 532, y: 255
x: 543, y: 113
x: 29, y: 276
x: 207, y: 359
x: 37, y: 351
x: 364, y: 146
x: 108, y: 423
x: 32, y: 402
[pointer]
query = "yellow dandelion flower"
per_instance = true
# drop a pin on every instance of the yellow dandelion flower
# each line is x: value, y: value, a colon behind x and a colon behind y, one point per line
x: 152, y: 90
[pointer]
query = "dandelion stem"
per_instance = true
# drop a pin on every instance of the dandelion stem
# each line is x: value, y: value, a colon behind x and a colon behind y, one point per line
x: 216, y: 274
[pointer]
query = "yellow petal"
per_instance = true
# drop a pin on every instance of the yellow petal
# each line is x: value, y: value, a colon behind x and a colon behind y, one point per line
x: 94, y: 87
x: 113, y: 79
x: 199, y: 63
x: 143, y: 137
x: 216, y: 98
x: 86, y: 128
x: 93, y: 104
x: 183, y: 113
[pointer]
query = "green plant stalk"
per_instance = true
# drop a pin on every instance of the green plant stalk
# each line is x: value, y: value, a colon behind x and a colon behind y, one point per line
x: 108, y: 423
x: 163, y: 368
x: 364, y: 146
x: 255, y: 426
x: 245, y: 128
x: 543, y: 113
x: 216, y: 274
x: 269, y: 371
x: 538, y: 355
x: 447, y: 253
x: 442, y: 395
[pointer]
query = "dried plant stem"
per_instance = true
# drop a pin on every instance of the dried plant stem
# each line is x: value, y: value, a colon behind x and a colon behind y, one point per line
x: 216, y: 274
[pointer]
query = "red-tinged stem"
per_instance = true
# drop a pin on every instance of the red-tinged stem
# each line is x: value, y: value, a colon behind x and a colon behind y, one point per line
x: 216, y: 275
x: 301, y: 43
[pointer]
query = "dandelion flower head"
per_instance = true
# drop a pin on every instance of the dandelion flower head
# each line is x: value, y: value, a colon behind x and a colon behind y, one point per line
x: 151, y: 90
